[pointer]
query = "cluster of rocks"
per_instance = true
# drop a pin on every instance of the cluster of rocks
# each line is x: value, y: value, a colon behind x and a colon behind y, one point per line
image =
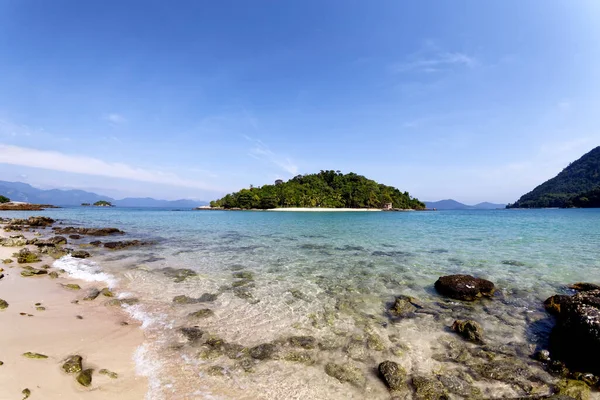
x: 73, y: 365
x: 70, y: 230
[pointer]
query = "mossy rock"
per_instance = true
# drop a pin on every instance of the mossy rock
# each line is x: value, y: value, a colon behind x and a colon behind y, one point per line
x: 73, y: 364
x: 25, y: 256
x: 247, y: 275
x: 85, y: 377
x: 7, y: 261
x: 215, y: 370
x: 29, y: 354
x: 92, y: 294
x: 299, y: 357
x: 107, y: 292
x: 263, y: 351
x: 40, y: 308
x: 110, y: 374
x: 178, y: 275
x: 26, y: 393
x: 3, y: 304
x: 1, y: 363
x: 235, y: 351
x: 242, y: 283
x: 345, y: 373
x: 429, y: 388
x: 469, y: 330
x: 393, y: 375
x: 71, y: 286
x: 29, y: 271
x: 53, y: 275
x: 306, y: 342
x: 203, y: 313
x: 80, y: 254
x: 374, y: 342
x: 576, y: 389
x: 192, y: 334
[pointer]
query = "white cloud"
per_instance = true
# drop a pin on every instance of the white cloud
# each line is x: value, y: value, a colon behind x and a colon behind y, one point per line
x: 115, y: 118
x: 56, y: 161
x: 261, y: 152
x: 430, y: 58
x: 8, y: 128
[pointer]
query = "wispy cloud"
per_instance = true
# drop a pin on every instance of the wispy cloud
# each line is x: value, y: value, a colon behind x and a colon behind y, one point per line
x: 430, y: 58
x: 57, y: 161
x: 261, y: 152
x: 115, y: 118
x: 8, y: 128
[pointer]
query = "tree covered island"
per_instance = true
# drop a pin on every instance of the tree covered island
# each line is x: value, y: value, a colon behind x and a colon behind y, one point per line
x: 326, y: 189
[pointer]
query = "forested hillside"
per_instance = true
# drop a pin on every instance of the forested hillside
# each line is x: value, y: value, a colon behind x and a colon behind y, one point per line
x: 330, y: 189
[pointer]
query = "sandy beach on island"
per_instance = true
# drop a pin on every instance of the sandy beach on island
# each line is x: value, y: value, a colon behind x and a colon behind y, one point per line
x: 319, y: 209
x: 105, y: 337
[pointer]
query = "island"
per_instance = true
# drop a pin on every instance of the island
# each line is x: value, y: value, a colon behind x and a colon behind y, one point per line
x: 7, y: 205
x: 103, y: 203
x: 578, y: 185
x: 324, y: 190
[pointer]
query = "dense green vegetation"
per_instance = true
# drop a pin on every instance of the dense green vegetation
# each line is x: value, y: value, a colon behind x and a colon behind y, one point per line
x: 576, y: 186
x: 4, y: 199
x: 330, y: 189
x: 103, y: 203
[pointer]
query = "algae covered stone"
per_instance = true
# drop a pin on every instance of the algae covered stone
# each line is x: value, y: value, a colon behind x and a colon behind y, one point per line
x: 429, y: 388
x: 72, y: 364
x: 345, y: 373
x: 469, y: 330
x: 34, y: 355
x: 203, y: 313
x: 110, y: 374
x: 85, y: 377
x: 72, y: 286
x: 464, y: 287
x: 263, y: 351
x: 306, y: 342
x: 300, y: 357
x: 107, y: 292
x: 92, y: 294
x: 3, y: 304
x: 393, y: 374
x: 53, y: 274
x: 26, y: 392
x: 215, y: 370
x: 576, y: 389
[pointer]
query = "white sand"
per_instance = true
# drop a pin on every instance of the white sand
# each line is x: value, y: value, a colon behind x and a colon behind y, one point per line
x: 319, y: 209
x: 99, y: 338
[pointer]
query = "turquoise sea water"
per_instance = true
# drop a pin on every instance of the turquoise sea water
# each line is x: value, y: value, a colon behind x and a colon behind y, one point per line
x: 331, y: 276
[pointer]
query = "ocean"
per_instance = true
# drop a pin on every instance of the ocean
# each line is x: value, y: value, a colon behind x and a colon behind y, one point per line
x: 262, y: 280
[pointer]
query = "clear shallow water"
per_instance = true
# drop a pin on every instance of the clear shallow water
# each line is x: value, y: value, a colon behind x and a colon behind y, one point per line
x: 332, y: 276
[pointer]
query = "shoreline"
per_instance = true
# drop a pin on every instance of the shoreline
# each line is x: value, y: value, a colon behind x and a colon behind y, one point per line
x: 62, y: 325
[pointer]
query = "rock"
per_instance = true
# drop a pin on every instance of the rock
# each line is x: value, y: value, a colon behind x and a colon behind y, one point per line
x: 215, y: 370
x: 25, y: 256
x: 40, y: 308
x: 92, y: 294
x: 263, y: 351
x: 53, y: 274
x: 542, y: 355
x: 1, y: 363
x: 459, y: 386
x: 26, y: 392
x: 72, y: 286
x: 374, y: 342
x: 57, y: 240
x: 107, y: 292
x: 69, y: 230
x: 246, y: 275
x: 300, y: 357
x: 85, y: 377
x: 30, y: 271
x: 178, y: 275
x: 464, y: 287
x: 403, y: 306
x: 575, y: 339
x: 7, y: 261
x: 207, y: 297
x: 468, y: 329
x: 95, y: 243
x: 429, y: 388
x: 584, y: 287
x: 203, y: 313
x: 75, y: 237
x: 14, y: 241
x: 125, y: 244
x: 110, y: 374
x: 192, y: 334
x: 80, y: 254
x: 3, y: 304
x: 34, y: 355
x: 572, y: 388
x: 183, y: 299
x: 72, y: 364
x: 345, y: 373
x: 393, y: 375
x: 37, y: 221
x: 590, y: 379
x: 554, y: 303
x: 306, y: 342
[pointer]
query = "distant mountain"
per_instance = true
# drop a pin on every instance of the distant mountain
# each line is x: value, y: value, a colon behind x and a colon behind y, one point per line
x: 455, y: 205
x: 574, y: 186
x: 18, y: 191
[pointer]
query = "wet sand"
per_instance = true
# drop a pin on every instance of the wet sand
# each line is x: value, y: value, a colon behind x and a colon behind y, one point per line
x: 99, y: 336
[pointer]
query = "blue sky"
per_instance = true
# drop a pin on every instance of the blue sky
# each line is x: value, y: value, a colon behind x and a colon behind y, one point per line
x: 469, y: 100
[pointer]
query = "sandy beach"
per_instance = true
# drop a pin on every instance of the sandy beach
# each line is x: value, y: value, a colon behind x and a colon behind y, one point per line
x: 63, y: 324
x: 319, y: 209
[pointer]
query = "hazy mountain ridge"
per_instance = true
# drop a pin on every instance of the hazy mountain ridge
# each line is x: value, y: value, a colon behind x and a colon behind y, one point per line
x: 19, y: 191
x: 574, y: 186
x: 450, y: 204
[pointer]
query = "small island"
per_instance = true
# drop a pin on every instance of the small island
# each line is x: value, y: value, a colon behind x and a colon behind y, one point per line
x: 323, y: 190
x: 102, y: 203
x: 7, y: 205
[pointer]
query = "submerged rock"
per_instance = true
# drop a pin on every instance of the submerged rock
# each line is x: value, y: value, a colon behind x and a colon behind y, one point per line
x: 393, y: 375
x: 69, y: 230
x: 85, y: 377
x: 263, y: 351
x: 464, y: 287
x: 3, y: 304
x: 203, y: 313
x: 345, y: 373
x: 468, y: 329
x: 80, y: 254
x: 34, y: 355
x: 215, y: 370
x: 125, y: 244
x: 306, y: 342
x: 178, y: 275
x: 429, y: 388
x: 300, y: 357
x: 73, y: 364
x: 206, y: 297
x: 403, y: 306
x: 192, y: 334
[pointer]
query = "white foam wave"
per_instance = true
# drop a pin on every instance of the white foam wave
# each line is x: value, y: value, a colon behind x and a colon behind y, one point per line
x: 148, y: 366
x: 137, y: 312
x: 84, y: 270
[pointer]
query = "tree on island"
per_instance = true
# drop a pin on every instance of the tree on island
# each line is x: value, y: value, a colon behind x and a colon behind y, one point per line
x: 103, y: 203
x: 4, y: 199
x: 327, y: 189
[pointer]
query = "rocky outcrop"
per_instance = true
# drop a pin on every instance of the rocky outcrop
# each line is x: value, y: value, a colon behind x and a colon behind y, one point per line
x: 33, y: 221
x: 26, y: 256
x: 469, y: 330
x: 393, y: 375
x: 13, y: 241
x: 70, y: 230
x: 125, y: 244
x: 464, y: 287
x: 575, y: 339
